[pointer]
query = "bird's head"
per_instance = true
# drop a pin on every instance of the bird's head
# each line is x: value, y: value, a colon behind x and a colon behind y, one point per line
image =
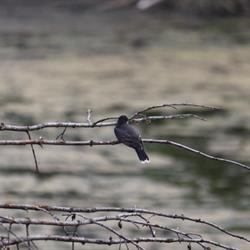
x: 122, y: 119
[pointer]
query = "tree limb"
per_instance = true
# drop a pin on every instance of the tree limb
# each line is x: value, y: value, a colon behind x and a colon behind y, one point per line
x: 109, y: 242
x: 99, y: 123
x: 91, y: 143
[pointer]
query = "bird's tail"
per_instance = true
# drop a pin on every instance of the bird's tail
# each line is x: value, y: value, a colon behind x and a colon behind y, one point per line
x: 142, y: 155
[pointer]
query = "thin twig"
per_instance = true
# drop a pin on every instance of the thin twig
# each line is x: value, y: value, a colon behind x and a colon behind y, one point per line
x: 103, y: 120
x: 168, y: 117
x: 89, y: 116
x: 33, y: 152
x: 179, y: 145
x: 8, y: 233
x: 127, y: 240
x: 148, y: 224
x: 172, y: 105
x: 27, y: 234
x: 48, y: 212
x: 61, y: 135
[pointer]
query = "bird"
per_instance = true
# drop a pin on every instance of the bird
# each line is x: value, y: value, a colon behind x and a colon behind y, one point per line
x: 130, y: 136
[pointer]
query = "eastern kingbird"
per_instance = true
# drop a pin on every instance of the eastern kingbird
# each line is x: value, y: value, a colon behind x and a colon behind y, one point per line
x: 130, y: 136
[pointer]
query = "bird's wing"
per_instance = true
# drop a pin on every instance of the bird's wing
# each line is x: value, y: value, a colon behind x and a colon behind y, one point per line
x: 129, y: 136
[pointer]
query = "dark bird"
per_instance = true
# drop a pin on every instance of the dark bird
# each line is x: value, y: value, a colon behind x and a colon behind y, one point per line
x: 130, y: 136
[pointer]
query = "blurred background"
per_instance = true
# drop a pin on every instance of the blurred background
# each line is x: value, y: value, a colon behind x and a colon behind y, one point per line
x: 60, y: 58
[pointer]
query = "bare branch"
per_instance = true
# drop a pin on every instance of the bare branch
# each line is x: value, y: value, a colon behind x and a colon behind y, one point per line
x: 185, y: 237
x: 6, y: 127
x: 127, y: 211
x: 109, y: 242
x: 101, y: 143
x: 99, y: 123
x: 102, y: 123
x: 56, y: 142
